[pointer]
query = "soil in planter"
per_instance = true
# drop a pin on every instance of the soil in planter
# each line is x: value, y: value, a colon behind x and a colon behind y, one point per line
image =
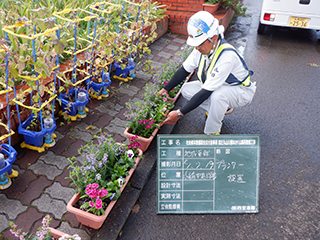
x: 70, y: 98
x: 35, y: 126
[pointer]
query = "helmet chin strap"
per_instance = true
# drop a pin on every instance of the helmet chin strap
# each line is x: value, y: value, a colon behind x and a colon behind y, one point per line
x: 210, y: 40
x: 213, y: 44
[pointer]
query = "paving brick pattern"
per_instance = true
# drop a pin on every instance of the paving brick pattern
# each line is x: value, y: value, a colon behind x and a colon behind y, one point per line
x: 41, y: 187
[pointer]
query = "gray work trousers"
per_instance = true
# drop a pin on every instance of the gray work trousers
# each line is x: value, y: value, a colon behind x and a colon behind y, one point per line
x: 219, y: 101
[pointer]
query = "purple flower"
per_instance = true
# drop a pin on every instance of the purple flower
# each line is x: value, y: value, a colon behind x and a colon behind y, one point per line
x: 112, y: 196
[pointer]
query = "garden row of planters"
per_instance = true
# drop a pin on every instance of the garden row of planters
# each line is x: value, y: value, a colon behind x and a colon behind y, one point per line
x: 35, y: 86
x: 109, y: 165
x: 54, y: 61
x: 100, y: 180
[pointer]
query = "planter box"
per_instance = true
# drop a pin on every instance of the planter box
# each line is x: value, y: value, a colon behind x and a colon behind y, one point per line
x: 92, y: 220
x: 211, y: 8
x: 145, y: 142
x: 56, y: 234
x: 173, y: 100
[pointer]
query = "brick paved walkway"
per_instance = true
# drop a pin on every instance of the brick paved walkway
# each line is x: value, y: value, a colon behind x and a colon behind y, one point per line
x: 41, y: 187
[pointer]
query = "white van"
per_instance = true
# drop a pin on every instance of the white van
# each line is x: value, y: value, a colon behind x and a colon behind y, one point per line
x: 290, y: 13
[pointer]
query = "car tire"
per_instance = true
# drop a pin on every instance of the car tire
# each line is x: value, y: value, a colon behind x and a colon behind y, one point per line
x: 261, y: 28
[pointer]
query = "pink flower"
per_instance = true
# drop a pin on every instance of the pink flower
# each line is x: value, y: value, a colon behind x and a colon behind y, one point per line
x: 91, y: 203
x: 148, y: 126
x: 140, y: 121
x: 150, y: 123
x: 92, y: 186
x: 165, y: 82
x: 93, y: 193
x: 98, y: 203
x: 102, y: 192
x: 95, y: 185
x: 14, y: 233
x: 98, y: 206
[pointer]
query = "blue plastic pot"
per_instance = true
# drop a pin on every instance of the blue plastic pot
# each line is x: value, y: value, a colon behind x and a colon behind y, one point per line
x: 98, y: 88
x: 34, y: 138
x: 72, y: 107
x: 123, y: 73
x: 11, y: 154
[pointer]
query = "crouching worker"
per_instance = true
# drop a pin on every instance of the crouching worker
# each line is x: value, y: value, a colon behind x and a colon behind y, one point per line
x: 224, y: 78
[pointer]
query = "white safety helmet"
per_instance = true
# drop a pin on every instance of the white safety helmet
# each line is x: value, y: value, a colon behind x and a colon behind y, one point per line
x: 201, y: 26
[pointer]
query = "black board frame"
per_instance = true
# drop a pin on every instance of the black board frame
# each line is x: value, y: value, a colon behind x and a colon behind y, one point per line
x: 246, y: 149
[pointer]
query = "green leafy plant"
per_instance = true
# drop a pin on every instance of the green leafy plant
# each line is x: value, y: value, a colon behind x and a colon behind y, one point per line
x: 132, y: 40
x: 144, y: 116
x: 164, y: 73
x: 42, y: 233
x: 213, y: 1
x: 107, y: 164
x: 236, y: 6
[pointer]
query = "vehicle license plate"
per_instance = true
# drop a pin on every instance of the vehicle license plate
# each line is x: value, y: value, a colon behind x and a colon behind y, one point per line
x: 298, y: 22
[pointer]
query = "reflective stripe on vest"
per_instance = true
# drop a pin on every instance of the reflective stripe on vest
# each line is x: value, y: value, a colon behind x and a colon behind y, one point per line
x: 231, y: 79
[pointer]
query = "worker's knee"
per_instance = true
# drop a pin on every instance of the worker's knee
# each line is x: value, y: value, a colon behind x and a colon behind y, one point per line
x: 218, y: 96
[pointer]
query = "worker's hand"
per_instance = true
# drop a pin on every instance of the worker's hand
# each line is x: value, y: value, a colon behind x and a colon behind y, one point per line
x: 172, y: 118
x: 163, y: 93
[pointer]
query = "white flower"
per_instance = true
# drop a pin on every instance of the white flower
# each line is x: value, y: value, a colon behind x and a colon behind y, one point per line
x: 120, y: 181
x: 74, y: 237
x: 98, y: 176
x: 130, y: 153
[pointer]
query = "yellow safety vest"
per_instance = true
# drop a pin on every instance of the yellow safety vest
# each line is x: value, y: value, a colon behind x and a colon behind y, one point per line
x: 231, y: 79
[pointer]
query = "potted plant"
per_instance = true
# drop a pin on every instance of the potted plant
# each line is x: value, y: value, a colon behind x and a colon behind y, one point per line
x: 57, y: 234
x: 131, y: 40
x: 99, y: 79
x: 73, y: 95
x: 43, y: 232
x: 38, y: 128
x: 101, y: 179
x: 164, y: 73
x: 9, y: 154
x: 145, y: 116
x: 235, y: 5
x: 7, y: 157
x: 211, y: 6
x: 38, y: 135
x: 30, y: 63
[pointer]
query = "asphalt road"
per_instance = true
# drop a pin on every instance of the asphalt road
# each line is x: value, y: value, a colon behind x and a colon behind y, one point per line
x: 285, y: 112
